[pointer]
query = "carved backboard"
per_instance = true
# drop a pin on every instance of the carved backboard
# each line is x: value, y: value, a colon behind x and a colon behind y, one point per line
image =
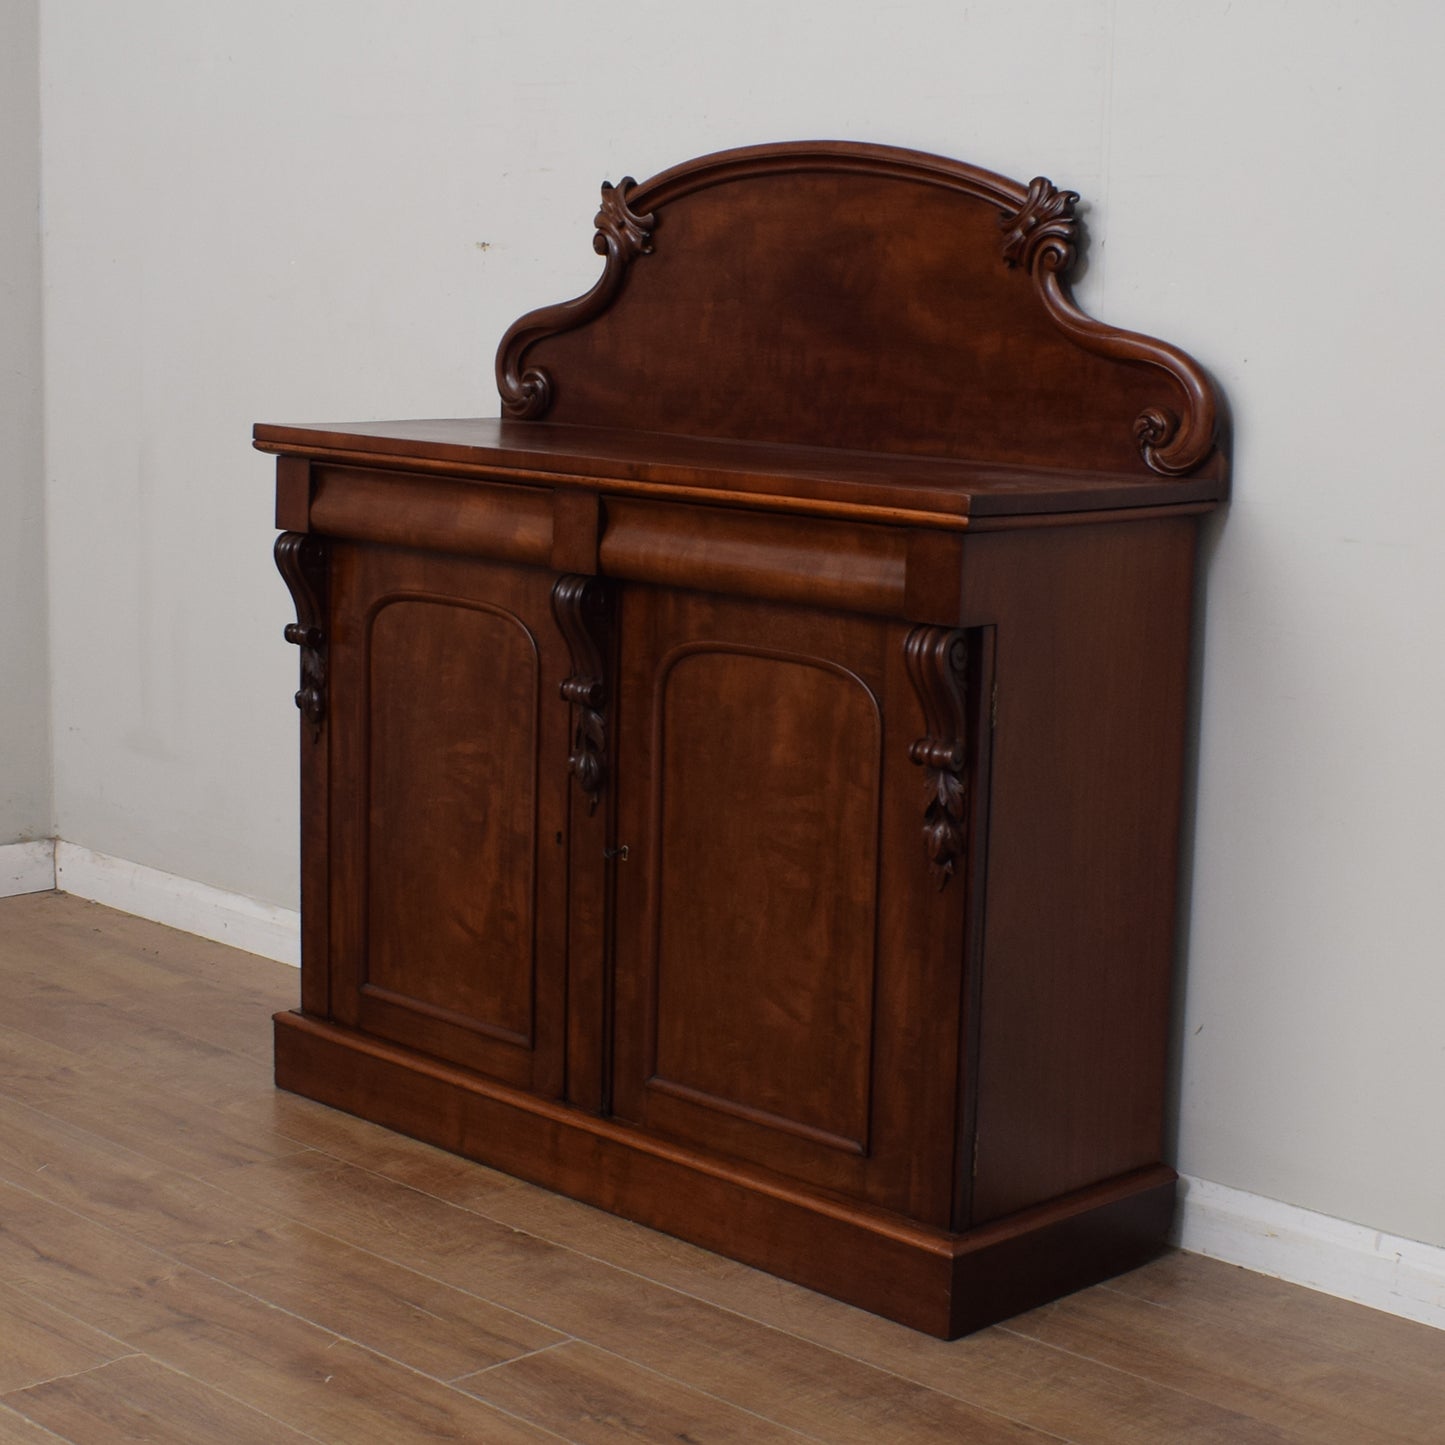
x: 861, y: 297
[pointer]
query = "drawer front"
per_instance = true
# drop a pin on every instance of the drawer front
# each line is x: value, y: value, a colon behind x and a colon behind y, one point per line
x: 506, y: 522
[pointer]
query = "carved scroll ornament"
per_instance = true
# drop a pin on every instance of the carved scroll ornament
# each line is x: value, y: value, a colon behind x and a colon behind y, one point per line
x: 301, y: 560
x: 583, y: 609
x: 936, y: 658
x: 1041, y: 236
x: 621, y: 237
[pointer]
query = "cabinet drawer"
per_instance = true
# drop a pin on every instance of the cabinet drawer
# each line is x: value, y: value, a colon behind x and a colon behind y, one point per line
x: 506, y: 522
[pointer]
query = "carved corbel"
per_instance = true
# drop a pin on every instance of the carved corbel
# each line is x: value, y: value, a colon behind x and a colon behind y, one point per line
x: 583, y: 607
x: 301, y: 560
x: 936, y: 658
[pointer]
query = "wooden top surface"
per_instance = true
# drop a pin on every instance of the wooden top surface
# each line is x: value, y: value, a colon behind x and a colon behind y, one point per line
x: 621, y: 461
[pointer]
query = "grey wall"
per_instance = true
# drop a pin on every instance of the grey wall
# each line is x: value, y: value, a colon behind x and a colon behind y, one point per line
x: 333, y: 210
x: 25, y: 795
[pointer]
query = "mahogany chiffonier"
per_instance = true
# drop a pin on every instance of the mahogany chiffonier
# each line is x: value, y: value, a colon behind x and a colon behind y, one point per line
x: 741, y: 785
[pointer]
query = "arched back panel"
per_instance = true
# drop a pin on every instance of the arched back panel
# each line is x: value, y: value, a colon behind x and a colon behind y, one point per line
x: 862, y: 297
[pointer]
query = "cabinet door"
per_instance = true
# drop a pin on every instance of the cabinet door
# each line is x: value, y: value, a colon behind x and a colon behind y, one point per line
x: 449, y: 792
x: 788, y: 974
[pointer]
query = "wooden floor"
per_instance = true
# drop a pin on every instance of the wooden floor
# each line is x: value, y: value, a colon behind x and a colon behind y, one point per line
x: 188, y: 1256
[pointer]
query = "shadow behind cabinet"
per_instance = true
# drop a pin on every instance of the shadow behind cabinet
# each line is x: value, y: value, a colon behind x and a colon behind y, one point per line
x: 741, y: 786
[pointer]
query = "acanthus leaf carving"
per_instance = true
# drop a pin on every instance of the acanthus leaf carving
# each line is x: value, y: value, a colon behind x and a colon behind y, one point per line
x: 301, y: 560
x: 1041, y: 236
x: 937, y: 661
x: 620, y: 230
x: 1043, y: 230
x: 583, y: 607
x: 622, y: 235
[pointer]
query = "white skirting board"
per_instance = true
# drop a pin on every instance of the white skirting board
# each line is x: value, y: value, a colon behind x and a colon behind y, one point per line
x: 1350, y: 1261
x: 27, y: 867
x: 1384, y: 1271
x: 178, y: 902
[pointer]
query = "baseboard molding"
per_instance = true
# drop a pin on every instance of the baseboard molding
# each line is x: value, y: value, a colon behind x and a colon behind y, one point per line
x: 27, y: 867
x: 179, y: 903
x: 1384, y: 1271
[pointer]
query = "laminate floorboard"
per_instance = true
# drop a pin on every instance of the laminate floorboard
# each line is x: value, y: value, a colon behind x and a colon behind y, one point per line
x: 188, y: 1255
x: 41, y: 1343
x: 135, y: 1398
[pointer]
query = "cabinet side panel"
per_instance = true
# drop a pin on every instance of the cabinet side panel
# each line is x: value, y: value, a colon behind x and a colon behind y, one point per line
x: 452, y: 824
x: 1093, y: 638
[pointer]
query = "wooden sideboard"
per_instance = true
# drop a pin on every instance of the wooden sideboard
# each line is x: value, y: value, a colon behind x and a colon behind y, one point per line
x: 741, y: 785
